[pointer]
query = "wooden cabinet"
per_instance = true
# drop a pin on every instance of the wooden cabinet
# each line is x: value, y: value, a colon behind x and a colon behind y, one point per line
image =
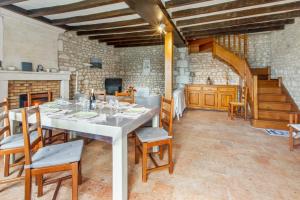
x: 214, y: 97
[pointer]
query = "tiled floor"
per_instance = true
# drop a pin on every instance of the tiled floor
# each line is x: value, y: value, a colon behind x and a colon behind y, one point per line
x: 215, y: 158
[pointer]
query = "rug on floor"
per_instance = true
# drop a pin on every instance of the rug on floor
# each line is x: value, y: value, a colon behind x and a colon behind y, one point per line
x: 274, y: 132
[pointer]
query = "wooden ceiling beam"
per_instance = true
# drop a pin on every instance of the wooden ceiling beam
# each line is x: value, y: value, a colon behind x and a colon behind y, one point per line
x: 8, y: 2
x: 220, y: 7
x: 237, y: 22
x: 243, y: 13
x: 125, y: 35
x: 117, y: 30
x: 108, y: 25
x: 154, y: 12
x: 139, y: 45
x: 135, y: 42
x: 137, y: 38
x: 178, y: 3
x: 265, y: 29
x: 71, y: 7
x: 97, y: 16
x: 242, y: 27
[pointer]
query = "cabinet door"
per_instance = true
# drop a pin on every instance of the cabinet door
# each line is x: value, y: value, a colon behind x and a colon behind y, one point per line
x: 193, y: 98
x: 210, y: 100
x: 224, y: 98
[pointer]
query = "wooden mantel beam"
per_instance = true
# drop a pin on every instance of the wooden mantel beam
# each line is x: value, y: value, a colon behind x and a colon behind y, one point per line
x: 71, y: 7
x: 220, y: 7
x: 237, y: 14
x: 237, y: 22
x: 154, y: 12
x: 8, y: 2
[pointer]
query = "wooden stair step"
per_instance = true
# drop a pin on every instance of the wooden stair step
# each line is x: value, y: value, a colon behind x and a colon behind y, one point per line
x: 270, y: 124
x: 269, y: 90
x: 274, y: 114
x: 283, y: 106
x: 268, y: 83
x: 272, y: 97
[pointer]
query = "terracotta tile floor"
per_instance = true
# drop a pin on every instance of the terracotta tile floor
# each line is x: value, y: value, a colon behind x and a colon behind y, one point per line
x: 215, y: 158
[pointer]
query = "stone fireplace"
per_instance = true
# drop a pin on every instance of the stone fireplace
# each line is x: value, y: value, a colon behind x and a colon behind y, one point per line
x: 16, y: 84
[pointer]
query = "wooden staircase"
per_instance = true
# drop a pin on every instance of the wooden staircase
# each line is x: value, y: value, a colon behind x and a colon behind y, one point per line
x: 269, y: 101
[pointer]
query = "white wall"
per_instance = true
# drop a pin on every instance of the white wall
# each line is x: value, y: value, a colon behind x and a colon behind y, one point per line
x: 28, y: 40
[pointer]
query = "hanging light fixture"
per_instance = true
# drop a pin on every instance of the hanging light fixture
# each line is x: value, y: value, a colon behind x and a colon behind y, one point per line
x: 162, y: 28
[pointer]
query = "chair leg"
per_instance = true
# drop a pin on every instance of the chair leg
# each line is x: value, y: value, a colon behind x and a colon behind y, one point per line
x: 75, y: 169
x: 144, y: 165
x: 65, y: 137
x: 171, y: 164
x: 245, y: 112
x: 49, y: 136
x: 136, y: 150
x: 79, y: 173
x: 39, y: 180
x: 228, y: 111
x: 6, y: 164
x: 28, y: 180
x: 231, y: 112
x: 161, y: 152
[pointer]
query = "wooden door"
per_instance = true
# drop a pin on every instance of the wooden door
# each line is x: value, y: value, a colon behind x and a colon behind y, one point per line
x: 193, y: 99
x: 210, y: 100
x: 224, y: 98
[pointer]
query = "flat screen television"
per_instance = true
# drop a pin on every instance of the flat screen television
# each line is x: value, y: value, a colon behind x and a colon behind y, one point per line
x: 112, y: 85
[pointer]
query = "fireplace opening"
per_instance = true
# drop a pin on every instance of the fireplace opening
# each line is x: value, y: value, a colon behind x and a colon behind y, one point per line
x: 37, y: 99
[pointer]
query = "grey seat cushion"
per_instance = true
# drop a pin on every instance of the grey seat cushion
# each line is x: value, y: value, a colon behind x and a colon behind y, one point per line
x: 16, y: 140
x: 152, y: 134
x: 57, y: 154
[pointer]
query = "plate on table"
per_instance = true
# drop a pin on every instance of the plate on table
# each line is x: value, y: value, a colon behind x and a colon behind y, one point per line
x: 85, y: 115
x: 136, y: 110
x: 122, y: 103
x: 50, y: 110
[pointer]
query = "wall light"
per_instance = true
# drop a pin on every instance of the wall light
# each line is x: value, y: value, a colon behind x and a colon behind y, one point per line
x: 162, y: 28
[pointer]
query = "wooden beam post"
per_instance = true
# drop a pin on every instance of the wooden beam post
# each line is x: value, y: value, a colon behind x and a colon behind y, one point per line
x: 169, y: 42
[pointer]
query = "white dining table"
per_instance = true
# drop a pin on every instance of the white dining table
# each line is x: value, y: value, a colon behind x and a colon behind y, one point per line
x: 114, y: 130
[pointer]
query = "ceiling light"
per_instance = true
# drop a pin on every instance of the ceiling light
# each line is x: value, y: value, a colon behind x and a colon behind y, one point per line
x: 162, y: 28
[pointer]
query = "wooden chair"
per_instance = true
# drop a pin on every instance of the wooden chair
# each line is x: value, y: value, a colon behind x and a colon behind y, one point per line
x: 10, y: 144
x: 234, y: 106
x: 294, y: 131
x: 100, y: 94
x: 40, y: 160
x: 147, y: 138
x: 125, y: 96
x: 51, y: 137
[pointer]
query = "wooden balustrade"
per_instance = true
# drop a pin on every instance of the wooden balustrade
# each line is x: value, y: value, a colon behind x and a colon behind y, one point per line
x: 238, y: 45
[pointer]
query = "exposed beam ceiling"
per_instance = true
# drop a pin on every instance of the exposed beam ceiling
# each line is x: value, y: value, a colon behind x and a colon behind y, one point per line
x: 108, y: 25
x: 237, y: 22
x: 242, y: 27
x: 139, y: 44
x: 125, y: 35
x: 117, y: 30
x: 135, y: 42
x: 220, y: 7
x: 243, y: 13
x: 177, y: 3
x: 154, y: 12
x: 104, y: 15
x: 8, y: 2
x: 273, y: 28
x: 71, y: 7
x: 138, y: 38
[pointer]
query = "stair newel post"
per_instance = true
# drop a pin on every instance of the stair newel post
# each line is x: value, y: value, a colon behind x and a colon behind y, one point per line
x: 255, y: 96
x: 280, y: 82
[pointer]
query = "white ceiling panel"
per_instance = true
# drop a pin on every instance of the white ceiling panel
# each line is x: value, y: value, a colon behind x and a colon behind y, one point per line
x: 114, y: 19
x: 198, y: 5
x: 35, y: 4
x: 90, y: 11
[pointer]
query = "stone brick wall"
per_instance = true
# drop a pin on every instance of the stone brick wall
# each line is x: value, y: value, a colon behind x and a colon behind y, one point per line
x: 131, y: 60
x: 16, y: 88
x: 259, y: 52
x: 74, y: 51
x: 285, y: 47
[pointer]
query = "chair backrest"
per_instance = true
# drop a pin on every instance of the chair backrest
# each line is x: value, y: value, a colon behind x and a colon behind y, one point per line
x: 31, y: 121
x: 31, y: 96
x: 125, y: 96
x: 4, y: 119
x: 100, y: 94
x: 166, y: 115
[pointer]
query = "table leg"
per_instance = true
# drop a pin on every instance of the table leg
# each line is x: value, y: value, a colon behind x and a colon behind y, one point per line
x: 120, y: 174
